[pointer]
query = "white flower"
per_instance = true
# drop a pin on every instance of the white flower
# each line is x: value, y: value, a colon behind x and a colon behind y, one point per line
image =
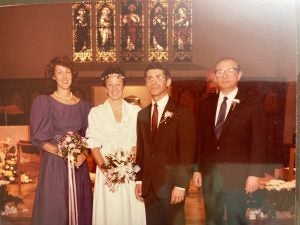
x: 167, y: 115
x: 235, y: 102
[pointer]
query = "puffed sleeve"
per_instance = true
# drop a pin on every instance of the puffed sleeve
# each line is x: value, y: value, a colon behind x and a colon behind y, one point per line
x: 93, y: 132
x: 41, y: 126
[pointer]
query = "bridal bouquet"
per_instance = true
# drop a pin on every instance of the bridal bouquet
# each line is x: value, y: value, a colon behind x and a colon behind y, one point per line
x: 71, y: 145
x: 119, y: 168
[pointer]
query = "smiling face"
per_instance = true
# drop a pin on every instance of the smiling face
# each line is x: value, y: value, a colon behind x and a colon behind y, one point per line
x: 63, y: 77
x: 114, y: 87
x: 157, y: 83
x: 231, y: 75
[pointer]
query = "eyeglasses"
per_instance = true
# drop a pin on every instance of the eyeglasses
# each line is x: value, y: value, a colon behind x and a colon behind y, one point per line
x: 229, y: 72
x: 156, y: 78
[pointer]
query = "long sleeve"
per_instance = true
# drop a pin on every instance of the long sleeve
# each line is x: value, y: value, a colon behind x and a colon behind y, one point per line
x: 41, y: 129
x: 93, y: 132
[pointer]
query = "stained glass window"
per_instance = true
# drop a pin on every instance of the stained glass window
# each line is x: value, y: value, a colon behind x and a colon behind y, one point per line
x: 132, y: 35
x: 105, y: 35
x: 82, y: 32
x: 158, y: 32
x: 119, y: 33
x: 182, y: 31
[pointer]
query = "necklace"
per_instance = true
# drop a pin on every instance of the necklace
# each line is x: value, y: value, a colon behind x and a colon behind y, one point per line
x: 63, y: 98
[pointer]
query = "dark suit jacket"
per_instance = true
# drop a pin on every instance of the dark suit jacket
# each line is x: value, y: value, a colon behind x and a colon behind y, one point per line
x: 240, y: 150
x: 166, y: 161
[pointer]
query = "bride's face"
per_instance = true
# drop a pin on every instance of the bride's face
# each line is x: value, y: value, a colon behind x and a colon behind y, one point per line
x: 114, y: 87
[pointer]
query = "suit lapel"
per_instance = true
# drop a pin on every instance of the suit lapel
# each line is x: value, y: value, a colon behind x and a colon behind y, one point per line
x: 231, y: 114
x: 212, y: 113
x: 148, y: 122
x: 163, y: 125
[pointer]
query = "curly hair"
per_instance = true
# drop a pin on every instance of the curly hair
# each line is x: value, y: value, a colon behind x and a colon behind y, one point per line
x: 61, y: 61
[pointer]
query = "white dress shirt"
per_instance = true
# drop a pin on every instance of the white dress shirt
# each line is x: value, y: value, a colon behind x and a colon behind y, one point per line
x: 229, y: 101
x: 161, y: 105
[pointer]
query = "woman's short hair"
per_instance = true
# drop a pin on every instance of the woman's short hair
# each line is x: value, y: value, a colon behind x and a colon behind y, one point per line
x: 60, y: 61
x: 160, y: 66
x: 112, y: 71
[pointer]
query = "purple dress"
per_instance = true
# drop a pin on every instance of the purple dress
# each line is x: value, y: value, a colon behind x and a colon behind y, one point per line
x: 48, y: 120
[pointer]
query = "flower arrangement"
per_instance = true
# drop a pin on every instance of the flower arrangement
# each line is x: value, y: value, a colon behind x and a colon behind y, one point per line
x: 119, y: 168
x: 8, y: 161
x: 167, y: 115
x: 279, y: 185
x: 279, y: 195
x: 71, y: 145
x: 235, y: 102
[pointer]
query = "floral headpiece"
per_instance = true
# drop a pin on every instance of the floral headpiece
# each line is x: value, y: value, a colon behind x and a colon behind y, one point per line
x: 112, y: 75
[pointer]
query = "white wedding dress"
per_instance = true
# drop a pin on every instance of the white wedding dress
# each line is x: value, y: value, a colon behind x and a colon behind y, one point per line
x: 121, y: 206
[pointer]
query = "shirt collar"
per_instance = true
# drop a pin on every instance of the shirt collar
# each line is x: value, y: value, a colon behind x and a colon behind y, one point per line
x: 230, y: 96
x: 161, y: 103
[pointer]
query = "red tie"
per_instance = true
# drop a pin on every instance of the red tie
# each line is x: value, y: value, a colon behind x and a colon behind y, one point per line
x: 154, y: 121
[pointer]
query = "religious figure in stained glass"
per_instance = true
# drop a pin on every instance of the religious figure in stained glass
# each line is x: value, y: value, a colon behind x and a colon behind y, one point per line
x: 106, y: 48
x: 82, y: 27
x: 158, y: 31
x: 131, y: 23
x: 182, y: 29
x: 105, y: 29
x: 82, y: 46
x: 132, y: 35
x: 158, y: 28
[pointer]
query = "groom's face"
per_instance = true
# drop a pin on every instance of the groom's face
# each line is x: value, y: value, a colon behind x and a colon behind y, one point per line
x: 157, y: 83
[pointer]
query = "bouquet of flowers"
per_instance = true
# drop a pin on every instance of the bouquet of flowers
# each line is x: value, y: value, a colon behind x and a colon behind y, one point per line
x: 119, y: 168
x: 71, y: 145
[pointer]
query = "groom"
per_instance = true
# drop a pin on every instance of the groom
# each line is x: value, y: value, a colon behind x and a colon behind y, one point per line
x: 165, y: 150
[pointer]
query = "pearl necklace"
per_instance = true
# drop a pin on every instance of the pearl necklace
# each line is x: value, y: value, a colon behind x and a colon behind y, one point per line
x: 63, y: 98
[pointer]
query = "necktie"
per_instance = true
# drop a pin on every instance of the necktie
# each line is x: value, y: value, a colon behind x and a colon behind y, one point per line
x: 154, y: 121
x: 221, y: 118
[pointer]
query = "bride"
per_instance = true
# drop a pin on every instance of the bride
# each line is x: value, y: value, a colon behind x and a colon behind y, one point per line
x: 112, y: 128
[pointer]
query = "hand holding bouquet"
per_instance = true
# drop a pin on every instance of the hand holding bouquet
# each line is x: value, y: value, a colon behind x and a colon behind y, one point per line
x: 71, y: 145
x: 119, y: 168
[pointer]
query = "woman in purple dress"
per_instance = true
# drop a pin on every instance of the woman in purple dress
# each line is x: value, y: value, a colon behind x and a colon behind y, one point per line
x: 50, y: 118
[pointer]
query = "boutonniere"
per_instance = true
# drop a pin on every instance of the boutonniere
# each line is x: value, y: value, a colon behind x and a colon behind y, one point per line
x: 235, y: 102
x: 167, y: 115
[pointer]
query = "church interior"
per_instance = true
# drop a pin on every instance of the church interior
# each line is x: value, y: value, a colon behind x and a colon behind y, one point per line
x: 261, y: 35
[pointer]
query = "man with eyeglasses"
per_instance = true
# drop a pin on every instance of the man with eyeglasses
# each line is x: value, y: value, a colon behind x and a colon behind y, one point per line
x: 166, y: 142
x: 231, y: 145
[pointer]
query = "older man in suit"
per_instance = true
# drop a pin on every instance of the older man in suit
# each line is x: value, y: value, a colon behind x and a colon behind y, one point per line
x: 231, y: 147
x: 165, y: 149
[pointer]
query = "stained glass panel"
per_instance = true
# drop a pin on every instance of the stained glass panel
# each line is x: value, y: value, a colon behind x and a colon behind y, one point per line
x: 158, y: 32
x: 82, y: 33
x: 182, y: 33
x: 132, y: 35
x: 105, y: 35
